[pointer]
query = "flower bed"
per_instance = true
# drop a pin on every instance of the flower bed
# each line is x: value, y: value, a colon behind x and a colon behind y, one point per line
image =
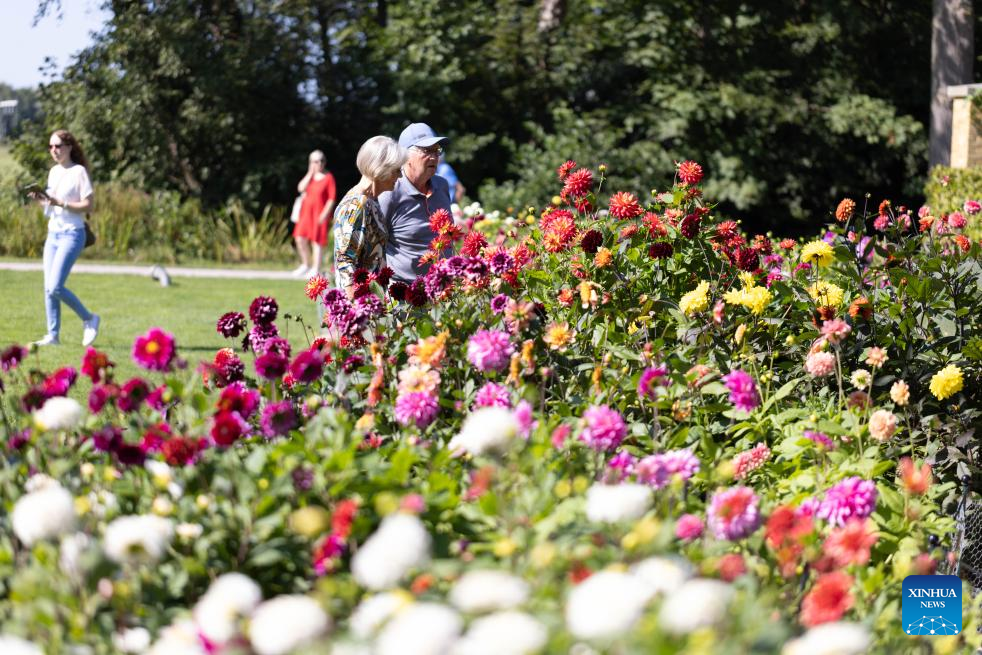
x: 626, y: 430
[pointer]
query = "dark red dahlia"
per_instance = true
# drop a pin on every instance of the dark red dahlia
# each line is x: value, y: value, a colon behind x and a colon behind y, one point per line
x: 591, y: 241
x: 416, y: 294
x: 180, y: 451
x: 263, y: 310
x: 11, y: 357
x: 231, y: 324
x: 384, y: 275
x: 360, y: 276
x: 660, y: 250
x: 689, y: 227
x: 747, y: 259
x: 398, y: 291
x: 227, y: 428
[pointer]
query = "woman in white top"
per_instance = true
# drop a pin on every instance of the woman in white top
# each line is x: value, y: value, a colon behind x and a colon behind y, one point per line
x: 66, y: 199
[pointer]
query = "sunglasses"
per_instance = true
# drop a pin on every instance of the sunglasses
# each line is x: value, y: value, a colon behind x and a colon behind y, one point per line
x: 431, y: 152
x: 56, y: 146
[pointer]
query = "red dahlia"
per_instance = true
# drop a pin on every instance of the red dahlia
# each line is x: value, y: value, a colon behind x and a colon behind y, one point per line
x: 440, y: 220
x: 577, y: 183
x: 828, y: 600
x: 690, y: 172
x: 564, y: 170
x: 591, y: 241
x: 624, y: 205
x: 660, y: 250
x: 474, y: 242
x: 689, y: 227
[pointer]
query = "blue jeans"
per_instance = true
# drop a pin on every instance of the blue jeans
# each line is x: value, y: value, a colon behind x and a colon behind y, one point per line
x: 61, y: 249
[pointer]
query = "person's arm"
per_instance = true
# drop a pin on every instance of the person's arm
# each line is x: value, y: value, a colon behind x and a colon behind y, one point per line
x: 459, y: 192
x: 349, y: 237
x: 331, y: 197
x: 305, y: 182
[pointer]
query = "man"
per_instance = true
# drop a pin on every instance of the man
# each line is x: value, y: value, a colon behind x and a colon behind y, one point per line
x: 406, y: 209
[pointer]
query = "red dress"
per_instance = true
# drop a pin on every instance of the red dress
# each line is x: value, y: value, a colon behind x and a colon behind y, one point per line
x: 319, y: 192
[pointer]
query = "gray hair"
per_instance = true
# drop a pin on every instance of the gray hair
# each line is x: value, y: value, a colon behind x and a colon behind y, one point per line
x: 380, y: 157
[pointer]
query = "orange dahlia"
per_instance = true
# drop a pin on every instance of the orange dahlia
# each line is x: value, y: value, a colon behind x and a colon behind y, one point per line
x: 845, y: 210
x: 828, y: 600
x: 690, y: 172
x: 624, y: 205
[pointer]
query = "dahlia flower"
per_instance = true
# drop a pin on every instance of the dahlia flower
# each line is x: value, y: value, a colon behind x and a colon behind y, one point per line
x: 689, y: 527
x: 237, y: 398
x: 947, y: 382
x: 231, y: 324
x: 498, y: 303
x: 690, y: 172
x: 624, y: 205
x: 46, y: 512
x: 373, y: 611
x: 488, y: 590
x: 488, y: 429
x: 743, y: 390
x: 660, y: 470
x: 137, y: 538
x: 750, y: 460
x: 283, y: 624
x: 605, y: 605
x: 851, y: 543
x: 58, y: 413
x: 835, y: 330
x: 604, y: 428
x: 577, y: 184
x: 699, y: 603
x: 400, y: 543
x: 229, y: 599
x: 418, y: 408
x: 650, y: 378
x: 617, y: 503
x: 489, y: 350
x: 696, y: 300
x: 493, y: 395
x: 835, y: 638
x: 591, y: 241
x: 860, y: 378
x: 420, y: 629
x: 415, y: 378
x: 733, y: 513
x: 11, y: 645
x: 820, y: 439
x: 558, y: 336
x: 845, y: 210
x: 882, y: 424
x: 851, y: 497
x: 227, y: 428
x: 915, y: 480
x: 820, y: 364
x: 263, y: 310
x: 826, y: 294
x: 662, y: 575
x: 828, y: 599
x: 565, y: 168
x: 817, y: 252
x: 154, y: 350
x: 278, y: 418
x: 308, y: 366
x: 503, y: 633
x: 11, y: 357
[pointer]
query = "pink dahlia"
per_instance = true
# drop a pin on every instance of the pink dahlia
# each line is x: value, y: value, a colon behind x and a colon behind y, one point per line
x: 835, y: 330
x: 972, y: 207
x: 690, y: 172
x: 132, y: 395
x: 278, y: 418
x: 605, y: 429
x: 624, y: 205
x: 490, y: 350
x: 308, y: 366
x: 689, y: 527
x: 493, y: 395
x: 526, y: 421
x: 820, y: 364
x: 750, y: 460
x: 852, y: 497
x: 743, y: 390
x: 231, y: 324
x: 733, y: 513
x: 154, y: 350
x: 659, y: 470
x: 271, y: 365
x: 650, y: 378
x: 237, y: 398
x: 227, y: 428
x: 821, y: 439
x: 263, y: 310
x: 577, y: 184
x: 417, y: 407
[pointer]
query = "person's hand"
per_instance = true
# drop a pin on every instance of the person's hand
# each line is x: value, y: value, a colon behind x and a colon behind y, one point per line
x: 321, y: 220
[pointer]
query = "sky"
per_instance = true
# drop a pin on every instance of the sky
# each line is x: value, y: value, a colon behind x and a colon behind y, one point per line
x: 23, y: 47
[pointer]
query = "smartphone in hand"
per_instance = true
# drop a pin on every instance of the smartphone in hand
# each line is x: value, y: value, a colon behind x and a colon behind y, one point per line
x: 34, y: 190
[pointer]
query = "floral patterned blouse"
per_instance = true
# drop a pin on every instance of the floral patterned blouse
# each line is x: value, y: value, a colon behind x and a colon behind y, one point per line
x: 359, y: 237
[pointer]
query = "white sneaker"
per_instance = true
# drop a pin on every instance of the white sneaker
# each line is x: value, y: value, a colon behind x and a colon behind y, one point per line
x: 90, y: 330
x: 299, y: 272
x: 47, y: 340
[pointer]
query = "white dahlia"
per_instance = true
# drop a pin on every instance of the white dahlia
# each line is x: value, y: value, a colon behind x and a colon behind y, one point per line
x: 698, y: 603
x: 420, y: 629
x: 43, y: 514
x: 503, y: 633
x: 401, y: 543
x: 286, y: 622
x: 488, y: 429
x: 487, y: 591
x: 613, y: 503
x: 138, y: 538
x: 605, y: 605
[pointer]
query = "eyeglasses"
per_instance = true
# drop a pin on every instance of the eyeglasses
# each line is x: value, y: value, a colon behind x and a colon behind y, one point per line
x: 431, y: 152
x: 56, y: 146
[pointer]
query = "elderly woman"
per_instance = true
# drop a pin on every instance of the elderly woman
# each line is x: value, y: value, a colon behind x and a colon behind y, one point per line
x: 359, y: 229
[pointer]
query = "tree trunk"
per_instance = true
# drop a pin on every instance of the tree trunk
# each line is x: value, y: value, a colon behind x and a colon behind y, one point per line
x: 952, y: 53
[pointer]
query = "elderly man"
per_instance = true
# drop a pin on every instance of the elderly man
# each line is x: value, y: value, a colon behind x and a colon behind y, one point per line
x: 417, y: 194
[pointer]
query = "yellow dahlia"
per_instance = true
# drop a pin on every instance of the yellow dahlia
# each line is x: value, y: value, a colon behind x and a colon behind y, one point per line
x: 826, y: 294
x: 947, y: 382
x: 558, y: 336
x: 754, y: 298
x: 696, y: 300
x: 818, y: 252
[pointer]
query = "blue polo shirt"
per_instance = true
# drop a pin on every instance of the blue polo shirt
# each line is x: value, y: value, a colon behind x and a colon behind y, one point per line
x: 407, y: 211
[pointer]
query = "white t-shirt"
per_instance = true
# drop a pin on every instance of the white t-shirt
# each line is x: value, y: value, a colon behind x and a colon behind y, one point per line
x: 70, y: 184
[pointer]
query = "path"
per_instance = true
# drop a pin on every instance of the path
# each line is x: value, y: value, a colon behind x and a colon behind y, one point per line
x: 145, y: 271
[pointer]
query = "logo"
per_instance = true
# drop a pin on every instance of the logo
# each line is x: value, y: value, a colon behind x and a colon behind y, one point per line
x: 932, y: 605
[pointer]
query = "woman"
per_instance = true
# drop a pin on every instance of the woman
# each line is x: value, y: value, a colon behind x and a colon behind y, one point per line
x: 66, y: 200
x: 359, y: 229
x: 319, y: 195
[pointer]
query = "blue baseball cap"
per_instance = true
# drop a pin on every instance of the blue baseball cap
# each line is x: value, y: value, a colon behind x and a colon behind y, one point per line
x: 420, y: 134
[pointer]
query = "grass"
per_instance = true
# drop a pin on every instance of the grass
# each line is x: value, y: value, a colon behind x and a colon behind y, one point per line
x: 7, y: 164
x: 129, y: 305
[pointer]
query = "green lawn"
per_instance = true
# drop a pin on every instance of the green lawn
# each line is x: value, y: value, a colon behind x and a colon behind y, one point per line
x: 129, y: 305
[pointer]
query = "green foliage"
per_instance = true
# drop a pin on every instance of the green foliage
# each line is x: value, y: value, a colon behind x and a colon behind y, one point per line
x: 947, y: 189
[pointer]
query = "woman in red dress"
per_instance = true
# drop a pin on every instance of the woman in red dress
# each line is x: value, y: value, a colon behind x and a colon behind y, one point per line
x: 314, y: 224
